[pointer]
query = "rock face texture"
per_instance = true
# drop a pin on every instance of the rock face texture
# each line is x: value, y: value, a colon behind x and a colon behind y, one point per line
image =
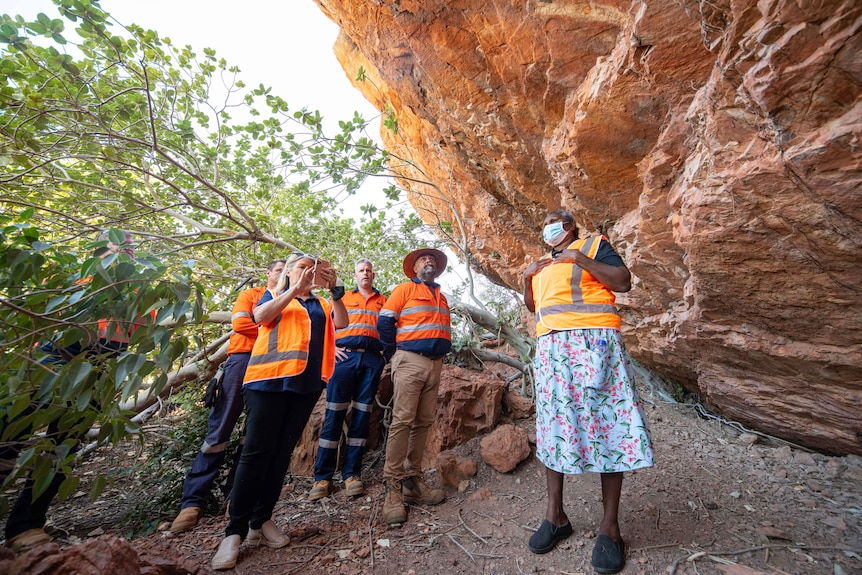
x: 716, y: 144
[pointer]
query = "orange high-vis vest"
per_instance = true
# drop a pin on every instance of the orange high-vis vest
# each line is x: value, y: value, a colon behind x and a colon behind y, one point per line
x: 281, y: 348
x: 419, y: 312
x: 569, y: 297
x: 118, y: 332
x: 242, y: 321
x: 362, y: 314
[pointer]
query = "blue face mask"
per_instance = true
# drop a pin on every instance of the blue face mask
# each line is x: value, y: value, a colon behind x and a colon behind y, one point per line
x: 553, y: 233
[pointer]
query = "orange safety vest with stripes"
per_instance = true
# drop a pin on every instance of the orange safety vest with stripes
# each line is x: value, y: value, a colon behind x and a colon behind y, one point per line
x: 362, y: 314
x: 569, y: 297
x: 242, y: 321
x: 419, y: 313
x: 281, y: 348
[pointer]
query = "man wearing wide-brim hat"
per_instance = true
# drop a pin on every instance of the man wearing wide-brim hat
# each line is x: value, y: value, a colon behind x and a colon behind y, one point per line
x: 415, y: 329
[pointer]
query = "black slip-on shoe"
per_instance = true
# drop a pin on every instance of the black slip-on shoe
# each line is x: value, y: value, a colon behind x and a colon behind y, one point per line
x: 547, y: 535
x: 609, y: 556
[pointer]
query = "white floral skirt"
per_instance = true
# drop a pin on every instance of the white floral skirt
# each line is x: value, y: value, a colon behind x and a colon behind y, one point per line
x: 588, y: 414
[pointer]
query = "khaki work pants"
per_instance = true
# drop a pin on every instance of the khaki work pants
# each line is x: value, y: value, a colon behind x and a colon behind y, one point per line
x: 415, y: 379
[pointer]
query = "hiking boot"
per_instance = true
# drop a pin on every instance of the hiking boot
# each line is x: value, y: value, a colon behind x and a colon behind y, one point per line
x: 416, y: 491
x: 228, y: 551
x: 319, y: 490
x: 187, y: 519
x: 269, y: 534
x: 353, y: 487
x: 393, y: 507
x: 26, y: 540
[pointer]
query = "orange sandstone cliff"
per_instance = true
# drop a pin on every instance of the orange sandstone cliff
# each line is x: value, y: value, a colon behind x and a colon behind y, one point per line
x: 716, y: 143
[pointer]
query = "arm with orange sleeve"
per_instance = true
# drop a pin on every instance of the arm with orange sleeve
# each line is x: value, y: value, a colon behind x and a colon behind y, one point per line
x: 242, y: 321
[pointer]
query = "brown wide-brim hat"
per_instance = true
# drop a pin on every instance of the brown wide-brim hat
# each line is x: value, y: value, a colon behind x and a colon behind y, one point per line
x: 410, y: 261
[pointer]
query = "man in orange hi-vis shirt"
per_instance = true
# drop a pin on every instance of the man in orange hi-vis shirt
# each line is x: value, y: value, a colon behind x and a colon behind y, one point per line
x: 354, y: 382
x: 415, y: 330
x: 225, y: 412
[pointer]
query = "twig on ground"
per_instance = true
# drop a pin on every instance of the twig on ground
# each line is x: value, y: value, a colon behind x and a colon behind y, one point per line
x: 306, y: 562
x: 371, y: 535
x: 455, y: 541
x: 501, y: 519
x: 518, y: 565
x: 651, y: 547
x: 476, y: 535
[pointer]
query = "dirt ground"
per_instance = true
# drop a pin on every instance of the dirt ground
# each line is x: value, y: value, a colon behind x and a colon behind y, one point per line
x: 717, y: 502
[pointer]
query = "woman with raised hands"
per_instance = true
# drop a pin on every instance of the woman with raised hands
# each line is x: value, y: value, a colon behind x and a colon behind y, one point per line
x: 292, y: 360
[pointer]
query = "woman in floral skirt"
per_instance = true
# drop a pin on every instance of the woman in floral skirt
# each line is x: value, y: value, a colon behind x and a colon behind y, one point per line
x: 588, y: 414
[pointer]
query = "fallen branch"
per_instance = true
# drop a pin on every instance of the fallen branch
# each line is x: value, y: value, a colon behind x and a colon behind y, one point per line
x: 485, y: 356
x: 495, y: 326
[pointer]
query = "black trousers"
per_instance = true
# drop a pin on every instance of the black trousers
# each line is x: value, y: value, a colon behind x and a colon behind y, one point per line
x: 274, y: 423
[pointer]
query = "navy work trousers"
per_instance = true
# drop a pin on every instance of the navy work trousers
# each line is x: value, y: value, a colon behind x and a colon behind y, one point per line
x: 355, y: 380
x: 220, y: 424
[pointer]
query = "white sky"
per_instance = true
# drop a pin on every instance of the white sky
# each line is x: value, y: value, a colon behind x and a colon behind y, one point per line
x: 285, y: 44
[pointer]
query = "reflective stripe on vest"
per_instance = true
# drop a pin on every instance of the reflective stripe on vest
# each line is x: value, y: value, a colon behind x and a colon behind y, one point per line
x: 281, y: 348
x: 362, y: 315
x: 569, y: 297
x: 426, y: 315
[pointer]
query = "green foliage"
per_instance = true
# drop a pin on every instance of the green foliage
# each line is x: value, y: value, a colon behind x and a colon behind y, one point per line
x: 119, y: 127
x: 166, y: 459
x: 52, y: 300
x: 105, y: 126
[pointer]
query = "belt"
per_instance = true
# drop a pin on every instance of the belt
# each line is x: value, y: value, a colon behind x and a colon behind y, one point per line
x: 431, y: 357
x: 362, y: 350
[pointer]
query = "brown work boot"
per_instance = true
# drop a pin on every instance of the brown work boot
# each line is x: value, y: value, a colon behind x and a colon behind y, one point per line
x: 26, y: 540
x: 393, y: 507
x: 416, y: 491
x: 353, y: 487
x: 319, y: 490
x: 187, y: 519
